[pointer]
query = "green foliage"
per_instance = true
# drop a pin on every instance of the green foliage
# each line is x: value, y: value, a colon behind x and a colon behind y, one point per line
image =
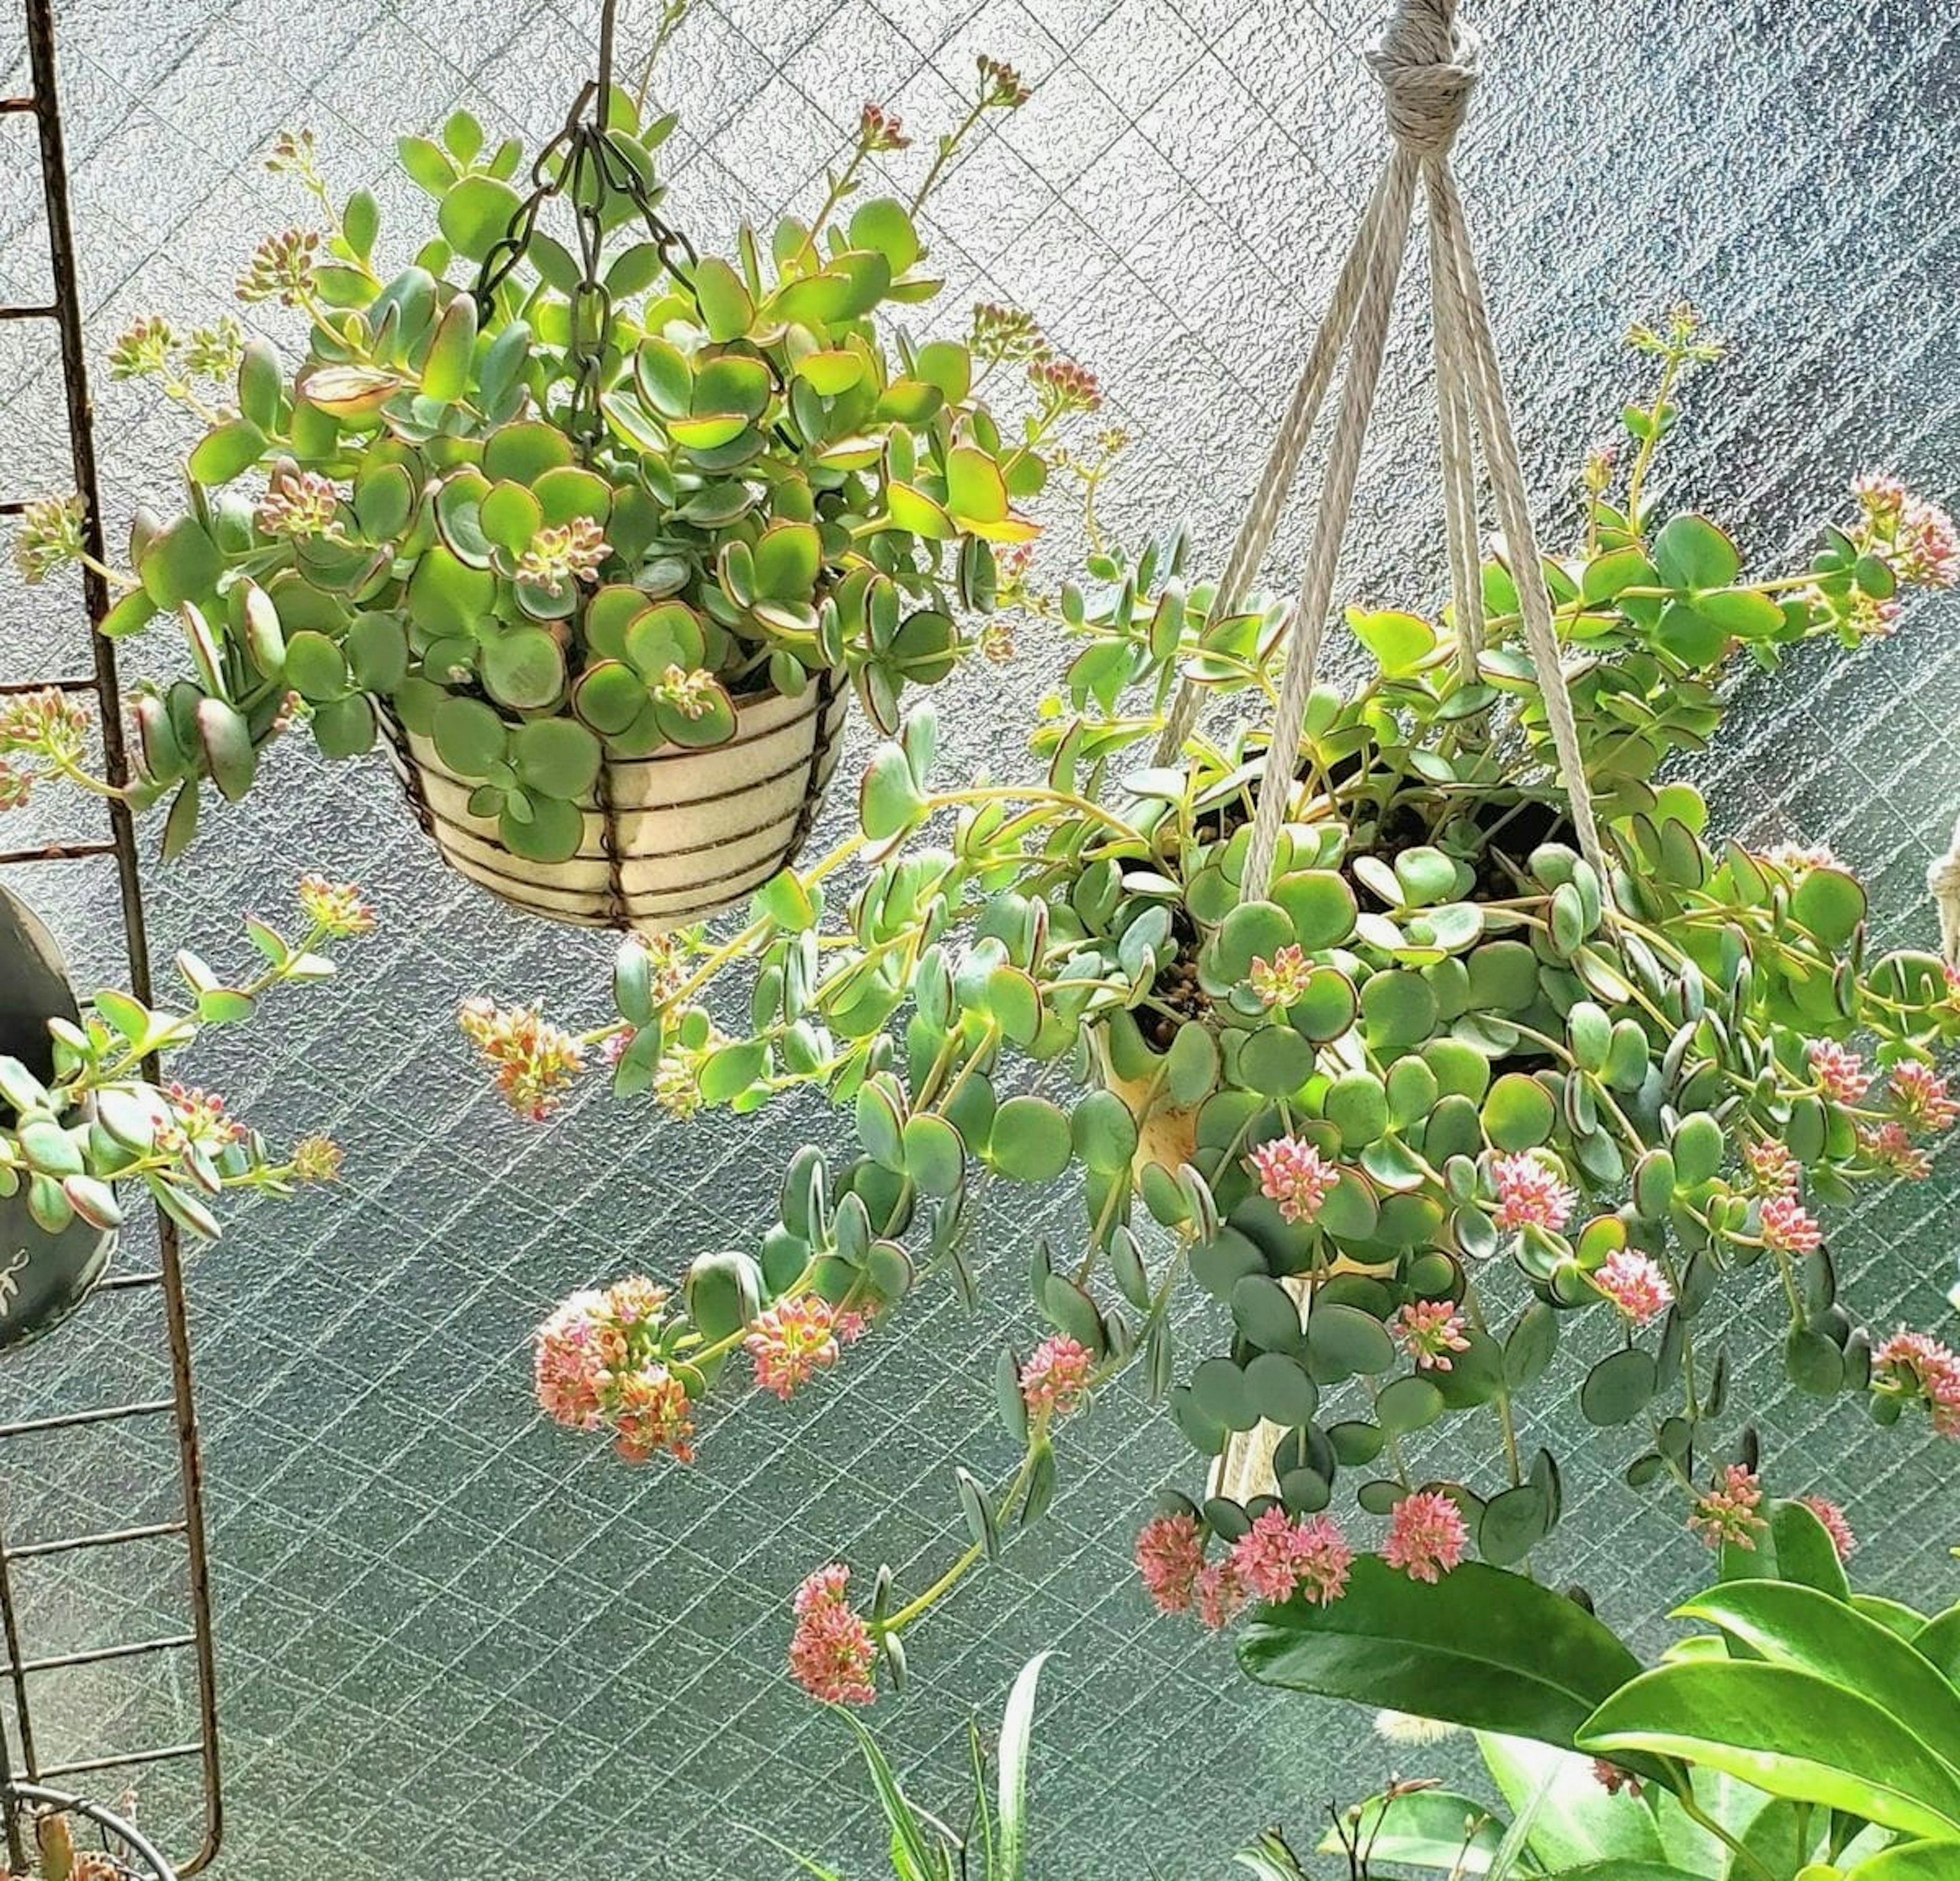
x: 622, y: 514
x: 1798, y: 1740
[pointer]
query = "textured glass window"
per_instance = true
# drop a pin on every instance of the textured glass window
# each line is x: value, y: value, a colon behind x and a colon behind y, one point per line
x: 453, y: 1639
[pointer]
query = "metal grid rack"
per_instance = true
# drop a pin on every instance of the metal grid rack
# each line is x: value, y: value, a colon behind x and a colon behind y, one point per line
x: 25, y: 1773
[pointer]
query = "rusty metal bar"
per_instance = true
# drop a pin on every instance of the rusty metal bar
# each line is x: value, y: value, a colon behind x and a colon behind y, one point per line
x: 103, y: 1538
x: 57, y: 852
x: 195, y: 1748
x: 98, y: 1655
x: 70, y: 1420
x: 20, y: 1789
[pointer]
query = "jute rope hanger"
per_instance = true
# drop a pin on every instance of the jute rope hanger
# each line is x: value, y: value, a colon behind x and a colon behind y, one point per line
x: 1427, y: 63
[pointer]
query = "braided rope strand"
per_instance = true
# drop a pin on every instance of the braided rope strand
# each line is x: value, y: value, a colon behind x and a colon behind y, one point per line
x: 1330, y: 523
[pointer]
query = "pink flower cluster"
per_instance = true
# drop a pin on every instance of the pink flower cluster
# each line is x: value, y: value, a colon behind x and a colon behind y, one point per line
x: 1729, y: 1511
x: 1278, y: 1556
x: 1635, y: 1282
x: 1889, y: 1146
x: 1789, y: 1226
x: 1293, y: 1173
x: 1920, y: 1099
x: 1841, y: 1073
x: 832, y: 1655
x: 1429, y: 1331
x: 1426, y: 1535
x: 1917, y: 537
x: 1916, y: 1366
x: 1772, y: 1166
x: 1282, y: 1557
x: 597, y: 1365
x: 797, y: 1338
x: 1531, y: 1194
x: 1055, y: 1377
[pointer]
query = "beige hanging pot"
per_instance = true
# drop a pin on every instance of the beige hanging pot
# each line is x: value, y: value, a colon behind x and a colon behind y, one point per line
x: 668, y: 839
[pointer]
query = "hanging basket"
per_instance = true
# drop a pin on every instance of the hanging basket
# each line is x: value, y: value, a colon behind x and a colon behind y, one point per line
x: 70, y: 1835
x: 43, y: 1277
x: 668, y: 839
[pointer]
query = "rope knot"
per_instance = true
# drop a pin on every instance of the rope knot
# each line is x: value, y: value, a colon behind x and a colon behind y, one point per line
x: 1427, y: 64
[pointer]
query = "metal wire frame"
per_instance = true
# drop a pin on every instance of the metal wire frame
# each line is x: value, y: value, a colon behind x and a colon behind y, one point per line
x: 122, y: 1839
x: 23, y: 1772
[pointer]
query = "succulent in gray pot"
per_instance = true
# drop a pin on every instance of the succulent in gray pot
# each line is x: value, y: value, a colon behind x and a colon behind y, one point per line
x: 87, y: 1113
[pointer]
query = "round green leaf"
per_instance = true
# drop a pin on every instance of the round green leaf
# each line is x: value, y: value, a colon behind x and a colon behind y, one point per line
x: 552, y: 833
x: 1618, y: 1388
x: 1408, y: 1404
x: 1280, y: 1390
x: 1319, y: 905
x: 524, y: 667
x: 558, y: 757
x: 1518, y: 1113
x: 935, y: 1158
x: 469, y: 738
x: 1104, y: 1132
x: 1030, y: 1141
x: 1358, y: 1107
x: 1342, y: 1341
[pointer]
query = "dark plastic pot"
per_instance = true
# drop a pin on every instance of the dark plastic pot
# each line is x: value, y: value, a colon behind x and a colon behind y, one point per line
x: 43, y: 1277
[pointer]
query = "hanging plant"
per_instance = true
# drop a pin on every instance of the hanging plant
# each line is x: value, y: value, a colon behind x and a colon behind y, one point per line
x: 1439, y: 1088
x: 84, y: 1113
x: 600, y: 541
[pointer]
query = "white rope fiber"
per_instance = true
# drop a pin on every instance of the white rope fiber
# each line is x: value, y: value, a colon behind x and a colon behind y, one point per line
x: 1427, y: 64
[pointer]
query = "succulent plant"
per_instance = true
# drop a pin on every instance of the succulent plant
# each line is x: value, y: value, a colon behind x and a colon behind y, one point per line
x: 1440, y: 1089
x: 89, y: 1119
x: 548, y: 511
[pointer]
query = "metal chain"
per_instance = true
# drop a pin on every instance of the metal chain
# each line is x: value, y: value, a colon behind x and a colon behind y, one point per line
x: 584, y: 157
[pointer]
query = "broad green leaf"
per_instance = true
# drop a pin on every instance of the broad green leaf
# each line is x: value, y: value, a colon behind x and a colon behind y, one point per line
x: 1794, y: 1625
x: 1535, y: 1664
x: 1805, y: 1551
x: 1911, y: 1861
x: 1579, y: 1820
x: 1786, y: 1732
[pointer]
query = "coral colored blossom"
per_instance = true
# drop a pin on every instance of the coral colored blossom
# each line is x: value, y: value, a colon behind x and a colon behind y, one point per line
x: 1635, y: 1282
x: 1841, y: 1073
x: 1170, y: 1555
x: 1772, y: 1166
x: 1217, y: 1595
x: 1917, y: 1365
x: 1789, y: 1226
x: 1426, y: 1535
x: 1835, y: 1526
x: 1429, y: 1331
x: 1888, y: 1147
x: 1295, y: 1174
x: 569, y: 1368
x: 1530, y: 1194
x: 535, y: 1061
x: 1056, y: 1376
x: 650, y: 1417
x: 1727, y: 1511
x: 832, y: 1655
x: 1279, y: 1556
x: 797, y: 1338
x: 1920, y: 1099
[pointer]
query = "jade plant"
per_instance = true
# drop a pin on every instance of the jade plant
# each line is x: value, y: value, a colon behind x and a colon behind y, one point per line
x: 1803, y: 1731
x: 1442, y: 1089
x: 549, y: 511
x: 73, y: 1142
